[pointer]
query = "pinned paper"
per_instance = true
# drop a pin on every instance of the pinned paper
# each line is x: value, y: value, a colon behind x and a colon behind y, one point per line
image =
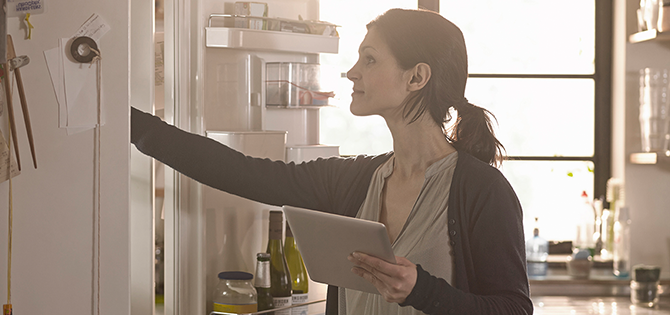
x: 74, y: 83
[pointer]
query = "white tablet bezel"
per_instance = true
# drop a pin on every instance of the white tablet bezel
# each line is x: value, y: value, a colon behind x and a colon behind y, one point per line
x: 325, y: 241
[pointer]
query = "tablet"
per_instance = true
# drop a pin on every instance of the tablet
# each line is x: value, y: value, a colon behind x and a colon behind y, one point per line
x: 325, y: 240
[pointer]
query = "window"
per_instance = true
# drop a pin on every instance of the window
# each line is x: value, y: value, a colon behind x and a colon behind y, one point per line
x: 541, y: 67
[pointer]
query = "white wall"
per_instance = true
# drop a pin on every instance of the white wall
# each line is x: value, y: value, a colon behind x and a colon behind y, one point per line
x: 647, y: 187
x: 53, y: 232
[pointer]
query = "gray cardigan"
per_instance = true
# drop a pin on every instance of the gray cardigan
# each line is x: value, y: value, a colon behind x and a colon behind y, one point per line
x: 485, y: 218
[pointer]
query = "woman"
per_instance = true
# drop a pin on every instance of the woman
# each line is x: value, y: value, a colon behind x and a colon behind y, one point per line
x: 454, y: 221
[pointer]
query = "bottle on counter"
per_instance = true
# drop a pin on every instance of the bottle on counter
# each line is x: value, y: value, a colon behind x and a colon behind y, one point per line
x: 262, y: 282
x: 615, y: 199
x: 299, y: 279
x: 235, y: 293
x: 607, y: 233
x: 537, y: 251
x: 621, y: 257
x: 598, y: 236
x: 584, y: 239
x: 280, y: 277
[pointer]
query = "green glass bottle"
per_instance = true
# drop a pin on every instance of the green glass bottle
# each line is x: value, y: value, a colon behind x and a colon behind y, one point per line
x: 262, y: 282
x: 296, y: 267
x: 280, y: 278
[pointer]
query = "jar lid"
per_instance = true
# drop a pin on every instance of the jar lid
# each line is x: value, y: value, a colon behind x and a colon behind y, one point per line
x: 235, y: 275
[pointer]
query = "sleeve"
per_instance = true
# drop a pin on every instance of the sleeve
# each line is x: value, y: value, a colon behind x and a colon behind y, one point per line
x: 321, y: 184
x: 496, y: 274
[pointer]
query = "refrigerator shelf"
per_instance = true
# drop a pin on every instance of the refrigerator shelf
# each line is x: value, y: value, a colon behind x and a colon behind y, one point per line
x: 272, y: 310
x: 242, y: 38
x: 298, y: 107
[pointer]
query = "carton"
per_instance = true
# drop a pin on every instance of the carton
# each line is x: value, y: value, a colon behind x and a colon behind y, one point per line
x: 251, y: 9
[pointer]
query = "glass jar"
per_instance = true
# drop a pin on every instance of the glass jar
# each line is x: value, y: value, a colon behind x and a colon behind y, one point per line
x: 644, y: 293
x: 235, y: 293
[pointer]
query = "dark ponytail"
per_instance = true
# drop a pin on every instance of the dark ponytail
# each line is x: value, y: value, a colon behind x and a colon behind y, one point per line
x: 421, y: 36
x: 473, y: 133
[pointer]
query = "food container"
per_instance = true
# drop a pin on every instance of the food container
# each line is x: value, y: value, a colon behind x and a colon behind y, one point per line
x: 259, y: 9
x: 645, y: 287
x: 579, y: 268
x: 294, y: 84
x: 235, y: 293
x: 579, y: 264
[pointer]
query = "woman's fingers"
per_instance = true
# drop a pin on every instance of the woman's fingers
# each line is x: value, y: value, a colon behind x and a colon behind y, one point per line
x: 393, y: 281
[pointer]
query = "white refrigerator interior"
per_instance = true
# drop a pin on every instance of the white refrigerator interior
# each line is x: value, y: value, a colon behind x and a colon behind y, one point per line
x: 234, y: 111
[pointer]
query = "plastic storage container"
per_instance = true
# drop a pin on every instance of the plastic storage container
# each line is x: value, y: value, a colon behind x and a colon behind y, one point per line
x: 294, y: 84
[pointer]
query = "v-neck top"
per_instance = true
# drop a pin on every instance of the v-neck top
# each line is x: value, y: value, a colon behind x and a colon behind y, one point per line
x: 424, y: 238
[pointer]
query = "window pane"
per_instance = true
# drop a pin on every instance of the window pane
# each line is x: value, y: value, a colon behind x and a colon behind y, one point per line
x: 539, y: 117
x: 354, y: 135
x: 526, y: 36
x: 550, y: 191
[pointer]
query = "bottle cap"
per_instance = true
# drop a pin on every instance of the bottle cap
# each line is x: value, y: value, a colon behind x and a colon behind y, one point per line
x: 235, y: 275
x: 263, y: 256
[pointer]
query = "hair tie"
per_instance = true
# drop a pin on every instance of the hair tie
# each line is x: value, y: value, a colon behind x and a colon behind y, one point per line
x: 463, y: 105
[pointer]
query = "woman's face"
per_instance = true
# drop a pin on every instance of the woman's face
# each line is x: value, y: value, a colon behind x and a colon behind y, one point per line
x: 380, y: 85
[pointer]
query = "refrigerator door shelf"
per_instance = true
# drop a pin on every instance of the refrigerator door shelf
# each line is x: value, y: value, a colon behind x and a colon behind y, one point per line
x: 241, y: 38
x: 301, y: 124
x: 263, y: 144
x: 305, y: 153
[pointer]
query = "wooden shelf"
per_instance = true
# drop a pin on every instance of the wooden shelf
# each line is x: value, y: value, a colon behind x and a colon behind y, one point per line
x: 651, y: 35
x: 242, y: 38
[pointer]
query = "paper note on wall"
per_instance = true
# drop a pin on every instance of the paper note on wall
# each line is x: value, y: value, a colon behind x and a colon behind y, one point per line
x: 74, y: 83
x: 7, y: 168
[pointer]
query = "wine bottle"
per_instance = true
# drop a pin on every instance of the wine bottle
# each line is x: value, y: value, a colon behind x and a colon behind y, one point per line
x: 280, y: 278
x: 262, y: 282
x: 296, y: 267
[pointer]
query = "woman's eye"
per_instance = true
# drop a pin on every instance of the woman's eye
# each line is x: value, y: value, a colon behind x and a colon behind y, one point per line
x: 369, y: 60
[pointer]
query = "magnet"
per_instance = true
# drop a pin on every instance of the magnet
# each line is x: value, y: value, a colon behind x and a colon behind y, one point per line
x: 83, y: 45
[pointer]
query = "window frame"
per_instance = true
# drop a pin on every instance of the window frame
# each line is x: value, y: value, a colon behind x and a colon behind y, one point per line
x: 602, y: 78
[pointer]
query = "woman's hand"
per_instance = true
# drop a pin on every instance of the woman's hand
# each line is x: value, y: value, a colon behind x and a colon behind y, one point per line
x: 393, y: 281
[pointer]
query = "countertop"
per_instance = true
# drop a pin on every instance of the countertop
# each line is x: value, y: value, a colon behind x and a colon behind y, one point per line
x: 618, y: 305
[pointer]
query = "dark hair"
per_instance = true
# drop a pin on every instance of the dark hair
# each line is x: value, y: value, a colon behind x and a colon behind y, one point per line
x: 416, y: 36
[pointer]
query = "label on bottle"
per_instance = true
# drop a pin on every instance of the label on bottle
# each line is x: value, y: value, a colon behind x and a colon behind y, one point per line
x: 235, y: 308
x: 299, y: 299
x: 281, y: 302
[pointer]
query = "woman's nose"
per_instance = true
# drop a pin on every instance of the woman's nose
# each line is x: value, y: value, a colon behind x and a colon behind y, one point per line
x: 352, y: 74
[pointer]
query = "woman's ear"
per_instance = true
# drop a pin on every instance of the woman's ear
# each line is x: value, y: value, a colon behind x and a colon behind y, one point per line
x: 420, y: 74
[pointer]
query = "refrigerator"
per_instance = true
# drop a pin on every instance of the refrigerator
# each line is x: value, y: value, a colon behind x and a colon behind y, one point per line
x: 83, y: 222
x: 251, y: 96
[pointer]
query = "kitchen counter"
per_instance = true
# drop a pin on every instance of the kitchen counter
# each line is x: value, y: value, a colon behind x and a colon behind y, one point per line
x: 601, y: 282
x: 618, y: 305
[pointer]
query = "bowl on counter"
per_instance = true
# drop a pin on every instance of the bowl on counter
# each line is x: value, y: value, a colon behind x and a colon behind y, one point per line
x: 579, y: 264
